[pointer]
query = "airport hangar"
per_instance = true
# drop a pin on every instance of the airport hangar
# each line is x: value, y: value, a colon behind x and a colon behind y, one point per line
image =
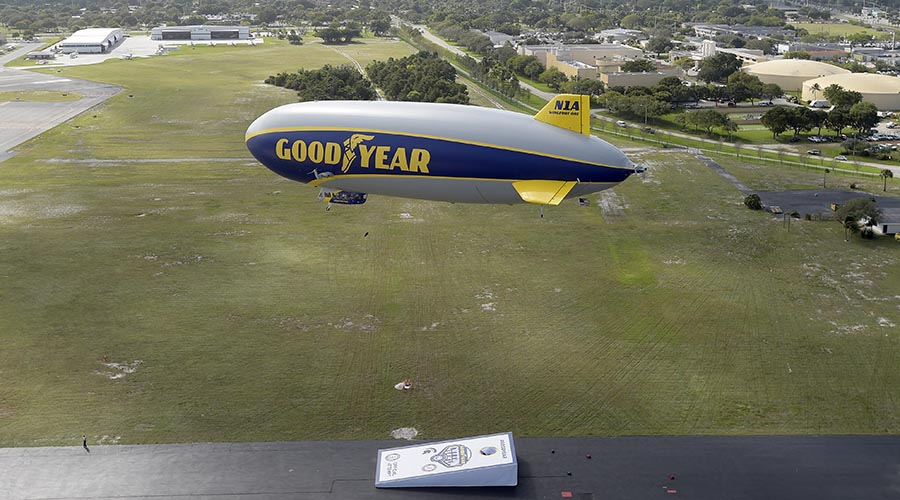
x: 92, y: 41
x: 881, y: 90
x: 789, y: 74
x: 200, y: 32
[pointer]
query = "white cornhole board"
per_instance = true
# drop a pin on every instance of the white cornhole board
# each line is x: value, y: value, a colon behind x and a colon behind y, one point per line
x: 476, y: 461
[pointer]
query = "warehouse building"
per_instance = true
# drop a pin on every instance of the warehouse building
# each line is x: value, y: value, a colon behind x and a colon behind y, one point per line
x: 92, y: 41
x: 881, y: 90
x: 789, y: 74
x: 200, y: 32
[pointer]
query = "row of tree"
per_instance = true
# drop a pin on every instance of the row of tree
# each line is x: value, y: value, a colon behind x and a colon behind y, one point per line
x: 328, y: 83
x: 422, y: 77
x: 849, y: 111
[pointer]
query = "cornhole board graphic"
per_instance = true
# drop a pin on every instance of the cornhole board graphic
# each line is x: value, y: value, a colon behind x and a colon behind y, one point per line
x: 475, y: 461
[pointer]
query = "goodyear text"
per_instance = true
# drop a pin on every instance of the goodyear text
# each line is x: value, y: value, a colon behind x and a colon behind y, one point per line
x: 370, y: 155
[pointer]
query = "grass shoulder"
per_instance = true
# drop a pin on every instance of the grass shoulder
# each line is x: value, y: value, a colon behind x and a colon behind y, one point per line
x: 38, y: 96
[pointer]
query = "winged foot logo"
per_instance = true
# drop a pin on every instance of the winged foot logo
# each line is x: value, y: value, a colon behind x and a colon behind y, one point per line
x: 375, y: 156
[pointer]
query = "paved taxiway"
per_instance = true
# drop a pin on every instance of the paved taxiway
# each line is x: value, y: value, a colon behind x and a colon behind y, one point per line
x: 705, y: 467
x: 20, y: 121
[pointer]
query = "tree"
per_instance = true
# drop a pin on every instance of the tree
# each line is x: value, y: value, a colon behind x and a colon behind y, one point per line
x: 815, y: 89
x: 837, y: 119
x: 753, y: 202
x: 841, y: 98
x: 796, y: 54
x: 863, y: 116
x: 718, y: 67
x: 639, y: 66
x: 422, y: 77
x: 380, y: 26
x: 801, y: 119
x: 742, y: 86
x: 777, y: 120
x: 327, y: 83
x: 885, y: 175
x: 770, y: 91
x: 854, y: 146
x: 553, y: 78
x: 583, y: 86
x: 338, y: 34
x: 857, y: 209
x: 659, y: 44
x: 764, y: 45
x: 818, y: 119
x: 707, y: 119
x: 851, y: 226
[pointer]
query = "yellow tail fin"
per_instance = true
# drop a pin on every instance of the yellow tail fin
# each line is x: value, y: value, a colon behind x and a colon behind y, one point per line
x: 569, y: 111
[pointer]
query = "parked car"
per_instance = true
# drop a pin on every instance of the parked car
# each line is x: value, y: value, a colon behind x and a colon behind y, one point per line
x: 840, y: 158
x: 765, y: 103
x: 815, y: 152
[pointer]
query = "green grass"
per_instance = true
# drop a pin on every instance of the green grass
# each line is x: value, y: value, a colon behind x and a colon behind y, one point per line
x: 38, y: 96
x: 839, y: 29
x: 249, y: 313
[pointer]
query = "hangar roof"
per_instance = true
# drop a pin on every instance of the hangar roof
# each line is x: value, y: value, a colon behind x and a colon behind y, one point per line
x: 795, y: 67
x: 870, y: 83
x: 90, y: 35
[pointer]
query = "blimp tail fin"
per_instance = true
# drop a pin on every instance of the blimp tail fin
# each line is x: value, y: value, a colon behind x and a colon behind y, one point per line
x: 543, y: 192
x: 569, y: 111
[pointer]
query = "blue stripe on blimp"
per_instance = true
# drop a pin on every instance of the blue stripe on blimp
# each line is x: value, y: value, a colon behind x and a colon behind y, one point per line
x: 300, y: 155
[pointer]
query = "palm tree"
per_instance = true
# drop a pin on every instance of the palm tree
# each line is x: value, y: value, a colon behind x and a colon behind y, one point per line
x: 815, y: 89
x: 850, y: 226
x: 886, y: 174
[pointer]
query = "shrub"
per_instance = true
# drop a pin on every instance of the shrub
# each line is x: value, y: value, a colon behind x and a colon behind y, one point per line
x: 753, y: 202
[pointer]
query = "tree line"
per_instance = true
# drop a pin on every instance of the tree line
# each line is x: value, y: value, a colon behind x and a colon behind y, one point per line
x: 421, y: 77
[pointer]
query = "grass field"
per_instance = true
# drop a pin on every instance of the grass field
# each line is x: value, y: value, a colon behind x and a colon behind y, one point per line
x: 157, y: 285
x: 839, y: 29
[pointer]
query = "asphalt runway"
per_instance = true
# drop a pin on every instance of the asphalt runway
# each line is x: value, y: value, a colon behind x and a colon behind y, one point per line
x: 807, y: 201
x: 20, y: 121
x: 704, y: 467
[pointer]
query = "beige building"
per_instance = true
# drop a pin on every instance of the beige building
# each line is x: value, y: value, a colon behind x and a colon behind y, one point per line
x: 619, y: 79
x: 881, y: 90
x: 572, y: 69
x: 789, y: 74
x: 592, y: 54
x: 583, y: 61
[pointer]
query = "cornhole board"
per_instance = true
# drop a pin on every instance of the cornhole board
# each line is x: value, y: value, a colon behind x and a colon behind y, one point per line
x: 475, y: 461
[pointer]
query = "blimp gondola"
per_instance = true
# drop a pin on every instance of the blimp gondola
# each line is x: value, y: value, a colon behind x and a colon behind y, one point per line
x: 441, y: 152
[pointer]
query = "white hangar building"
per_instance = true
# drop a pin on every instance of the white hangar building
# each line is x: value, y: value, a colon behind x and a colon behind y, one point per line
x: 92, y: 41
x: 200, y: 32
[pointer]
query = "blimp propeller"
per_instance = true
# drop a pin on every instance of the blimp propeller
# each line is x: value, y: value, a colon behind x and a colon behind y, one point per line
x: 442, y: 152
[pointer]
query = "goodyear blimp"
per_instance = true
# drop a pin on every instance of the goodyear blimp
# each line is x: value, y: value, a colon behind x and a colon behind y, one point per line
x: 442, y: 152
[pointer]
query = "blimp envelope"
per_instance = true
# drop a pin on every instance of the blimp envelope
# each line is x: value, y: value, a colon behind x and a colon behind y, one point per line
x: 475, y: 461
